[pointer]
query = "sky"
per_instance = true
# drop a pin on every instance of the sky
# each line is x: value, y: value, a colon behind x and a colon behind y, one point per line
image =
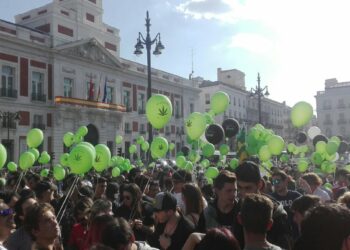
x: 295, y: 45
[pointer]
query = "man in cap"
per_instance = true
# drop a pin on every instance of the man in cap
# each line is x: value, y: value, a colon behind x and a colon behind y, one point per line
x: 172, y: 229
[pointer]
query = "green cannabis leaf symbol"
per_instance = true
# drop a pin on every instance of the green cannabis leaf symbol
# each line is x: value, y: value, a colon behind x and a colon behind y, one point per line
x: 160, y: 147
x: 163, y: 111
x: 189, y: 123
x: 98, y: 158
x: 77, y: 157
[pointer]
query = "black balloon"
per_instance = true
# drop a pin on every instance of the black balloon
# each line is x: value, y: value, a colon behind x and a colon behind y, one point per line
x: 231, y: 127
x: 343, y: 147
x: 185, y: 150
x: 318, y: 138
x: 341, y: 138
x: 214, y: 133
x: 301, y: 137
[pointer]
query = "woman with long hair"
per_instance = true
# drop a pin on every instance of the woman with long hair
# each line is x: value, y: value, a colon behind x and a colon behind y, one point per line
x: 194, y: 203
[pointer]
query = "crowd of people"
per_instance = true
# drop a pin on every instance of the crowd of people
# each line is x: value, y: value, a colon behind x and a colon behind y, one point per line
x: 165, y: 207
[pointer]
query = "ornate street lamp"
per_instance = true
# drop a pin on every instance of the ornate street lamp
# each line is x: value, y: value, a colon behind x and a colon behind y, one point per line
x: 259, y: 92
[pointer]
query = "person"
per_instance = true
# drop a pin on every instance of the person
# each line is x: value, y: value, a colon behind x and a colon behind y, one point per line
x: 96, y: 228
x: 21, y: 239
x: 153, y: 189
x: 40, y: 221
x: 10, y: 198
x: 101, y: 186
x: 112, y: 194
x: 134, y: 210
x: 325, y: 227
x: 118, y: 235
x: 256, y: 219
x: 193, y: 200
x: 345, y: 200
x: 32, y: 180
x: 311, y: 184
x: 44, y: 191
x: 100, y: 207
x: 284, y: 196
x: 79, y: 230
x: 249, y: 182
x: 215, y: 238
x: 342, y: 182
x: 301, y: 205
x: 172, y: 229
x: 7, y: 223
x: 180, y: 178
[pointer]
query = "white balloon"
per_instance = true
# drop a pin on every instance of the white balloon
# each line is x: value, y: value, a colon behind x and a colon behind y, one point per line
x: 313, y: 131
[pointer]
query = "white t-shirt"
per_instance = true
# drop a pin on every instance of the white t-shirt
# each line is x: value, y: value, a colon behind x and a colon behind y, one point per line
x: 322, y: 194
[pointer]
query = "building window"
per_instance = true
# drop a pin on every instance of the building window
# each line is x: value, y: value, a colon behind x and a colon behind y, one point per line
x: 243, y: 104
x: 109, y: 95
x: 90, y: 90
x: 239, y: 102
x: 68, y: 87
x: 37, y: 85
x: 234, y: 101
x: 7, y: 78
x: 191, y: 107
x: 126, y: 98
x: 38, y: 121
x: 141, y: 102
x: 207, y: 98
x: 142, y: 128
x: 177, y: 108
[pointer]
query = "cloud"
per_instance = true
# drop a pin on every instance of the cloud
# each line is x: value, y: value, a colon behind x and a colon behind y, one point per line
x: 254, y: 43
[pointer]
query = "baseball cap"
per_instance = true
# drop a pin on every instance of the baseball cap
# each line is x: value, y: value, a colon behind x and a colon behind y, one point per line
x: 164, y: 201
x: 43, y: 186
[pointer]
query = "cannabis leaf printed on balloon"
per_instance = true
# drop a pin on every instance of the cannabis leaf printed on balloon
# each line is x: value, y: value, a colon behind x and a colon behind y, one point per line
x: 161, y: 147
x: 163, y: 111
x: 189, y: 123
x: 77, y: 157
x: 98, y: 158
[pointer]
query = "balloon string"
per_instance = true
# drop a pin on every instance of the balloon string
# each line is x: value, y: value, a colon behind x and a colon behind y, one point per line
x: 70, y: 192
x: 20, y: 179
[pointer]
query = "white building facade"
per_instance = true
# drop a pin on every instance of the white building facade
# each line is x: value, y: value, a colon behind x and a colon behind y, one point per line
x: 61, y: 69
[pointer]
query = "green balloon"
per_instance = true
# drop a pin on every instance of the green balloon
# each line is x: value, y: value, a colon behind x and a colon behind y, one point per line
x: 276, y: 145
x: 193, y: 156
x: 132, y: 149
x: 78, y: 139
x: 234, y: 163
x: 145, y: 146
x: 208, y: 150
x: 195, y: 125
x: 140, y: 140
x: 335, y: 139
x: 119, y: 160
x: 321, y: 147
x: 224, y: 149
x: 159, y: 110
x: 303, y: 165
x: 89, y: 145
x: 64, y: 159
x: 171, y: 146
x: 331, y: 147
x: 303, y: 149
x: 208, y: 118
x: 44, y: 158
x: 284, y: 158
x: 68, y: 139
x: 44, y: 172
x: 210, y: 181
x: 159, y: 147
x: 264, y: 153
x: 291, y: 147
x: 26, y: 160
x: 301, y: 114
x: 211, y: 172
x: 59, y: 172
x: 328, y: 167
x: 180, y: 161
x: 81, y: 159
x: 205, y: 163
x: 189, y: 166
x: 35, y: 137
x: 115, y: 172
x: 3, y: 155
x: 317, y: 158
x: 328, y: 186
x: 219, y: 102
x: 82, y: 131
x: 35, y: 152
x: 118, y: 139
x: 11, y: 166
x: 103, y: 157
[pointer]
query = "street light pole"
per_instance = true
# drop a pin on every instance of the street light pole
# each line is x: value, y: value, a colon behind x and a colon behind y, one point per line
x: 8, y: 117
x: 148, y: 42
x: 259, y: 92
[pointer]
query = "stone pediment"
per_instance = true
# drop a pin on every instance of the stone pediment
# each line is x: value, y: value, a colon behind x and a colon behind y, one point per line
x: 90, y: 50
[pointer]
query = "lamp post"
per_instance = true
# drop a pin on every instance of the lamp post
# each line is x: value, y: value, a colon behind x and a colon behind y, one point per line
x: 148, y: 42
x: 8, y: 118
x: 259, y: 92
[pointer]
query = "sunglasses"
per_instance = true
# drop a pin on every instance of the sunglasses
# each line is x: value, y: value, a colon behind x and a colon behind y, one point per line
x: 276, y: 182
x: 6, y: 212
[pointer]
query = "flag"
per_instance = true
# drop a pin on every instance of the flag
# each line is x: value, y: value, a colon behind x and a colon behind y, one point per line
x: 99, y: 89
x: 91, y: 89
x: 105, y: 91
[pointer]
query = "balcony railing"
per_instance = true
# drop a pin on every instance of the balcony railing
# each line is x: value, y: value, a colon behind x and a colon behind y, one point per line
x: 11, y: 125
x: 142, y: 111
x: 8, y: 92
x: 127, y: 131
x: 38, y: 97
x: 38, y: 125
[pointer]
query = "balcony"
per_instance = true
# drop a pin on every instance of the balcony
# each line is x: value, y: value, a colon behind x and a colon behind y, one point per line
x: 8, y: 92
x: 141, y: 111
x: 11, y: 125
x: 128, y: 131
x: 341, y: 121
x: 39, y: 126
x: 38, y: 97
